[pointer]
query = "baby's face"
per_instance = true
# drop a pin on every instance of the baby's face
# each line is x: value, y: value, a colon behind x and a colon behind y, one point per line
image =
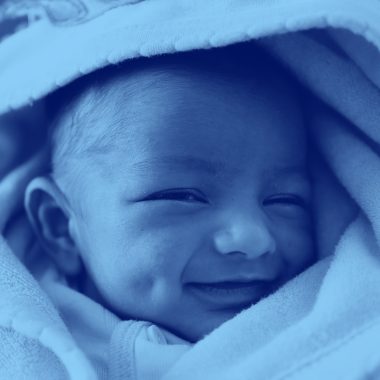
x: 204, y: 207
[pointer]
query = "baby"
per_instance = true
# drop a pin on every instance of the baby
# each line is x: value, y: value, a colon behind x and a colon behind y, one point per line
x: 179, y: 192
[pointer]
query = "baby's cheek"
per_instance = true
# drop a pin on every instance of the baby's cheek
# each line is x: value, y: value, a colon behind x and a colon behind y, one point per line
x: 144, y: 268
x: 128, y: 291
x: 145, y: 292
x: 297, y: 247
x: 155, y: 271
x: 147, y: 269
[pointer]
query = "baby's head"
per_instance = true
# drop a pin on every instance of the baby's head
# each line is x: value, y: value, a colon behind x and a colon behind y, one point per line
x: 179, y: 191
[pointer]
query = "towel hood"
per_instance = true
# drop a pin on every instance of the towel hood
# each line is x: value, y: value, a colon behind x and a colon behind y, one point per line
x: 46, y: 44
x: 332, y: 46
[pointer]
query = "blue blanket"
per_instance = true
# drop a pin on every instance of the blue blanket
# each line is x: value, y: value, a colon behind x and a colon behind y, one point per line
x: 324, y: 324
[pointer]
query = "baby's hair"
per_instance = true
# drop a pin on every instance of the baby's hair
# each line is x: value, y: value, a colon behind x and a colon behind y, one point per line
x: 75, y: 109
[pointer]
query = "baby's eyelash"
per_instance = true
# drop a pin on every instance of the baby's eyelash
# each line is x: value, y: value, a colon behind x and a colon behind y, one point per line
x: 286, y: 199
x: 181, y: 195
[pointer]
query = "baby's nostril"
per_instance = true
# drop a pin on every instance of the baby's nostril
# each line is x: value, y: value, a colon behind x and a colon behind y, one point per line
x: 251, y: 240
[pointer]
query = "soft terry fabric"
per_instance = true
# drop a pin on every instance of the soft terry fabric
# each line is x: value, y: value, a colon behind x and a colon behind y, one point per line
x: 324, y: 324
x: 35, y: 339
x: 116, y: 349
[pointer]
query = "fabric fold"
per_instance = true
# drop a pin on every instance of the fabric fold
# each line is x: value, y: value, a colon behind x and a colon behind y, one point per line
x: 325, y: 323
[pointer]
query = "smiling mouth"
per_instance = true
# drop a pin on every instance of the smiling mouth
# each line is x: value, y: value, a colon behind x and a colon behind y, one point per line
x: 234, y: 295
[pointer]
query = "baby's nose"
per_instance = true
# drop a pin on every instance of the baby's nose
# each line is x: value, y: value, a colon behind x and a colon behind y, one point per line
x: 248, y: 236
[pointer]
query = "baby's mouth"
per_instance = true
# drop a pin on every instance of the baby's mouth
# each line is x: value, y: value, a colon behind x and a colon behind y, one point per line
x: 231, y: 294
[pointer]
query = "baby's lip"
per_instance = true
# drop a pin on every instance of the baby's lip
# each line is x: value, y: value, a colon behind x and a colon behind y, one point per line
x: 240, y: 279
x: 233, y: 293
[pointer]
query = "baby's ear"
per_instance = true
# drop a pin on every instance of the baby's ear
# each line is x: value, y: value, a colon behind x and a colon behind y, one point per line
x: 50, y: 215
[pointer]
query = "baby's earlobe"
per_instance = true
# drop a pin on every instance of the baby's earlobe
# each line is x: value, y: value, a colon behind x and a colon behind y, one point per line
x: 50, y: 218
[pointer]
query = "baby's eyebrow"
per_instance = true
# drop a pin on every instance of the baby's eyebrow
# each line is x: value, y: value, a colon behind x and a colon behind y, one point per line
x: 181, y: 162
x: 212, y: 167
x: 291, y: 174
x: 291, y: 170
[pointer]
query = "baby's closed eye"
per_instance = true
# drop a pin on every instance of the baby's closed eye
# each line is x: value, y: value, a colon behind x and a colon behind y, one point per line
x: 286, y: 200
x: 287, y: 205
x: 178, y: 194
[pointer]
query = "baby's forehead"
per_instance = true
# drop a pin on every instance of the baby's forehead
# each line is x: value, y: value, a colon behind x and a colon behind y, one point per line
x: 114, y: 105
x: 216, y: 69
x: 165, y: 81
x: 105, y: 105
x: 190, y: 97
x: 139, y: 93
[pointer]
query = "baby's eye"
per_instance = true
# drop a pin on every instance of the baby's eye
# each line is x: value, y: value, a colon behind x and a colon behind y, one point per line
x: 286, y: 200
x: 181, y: 195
